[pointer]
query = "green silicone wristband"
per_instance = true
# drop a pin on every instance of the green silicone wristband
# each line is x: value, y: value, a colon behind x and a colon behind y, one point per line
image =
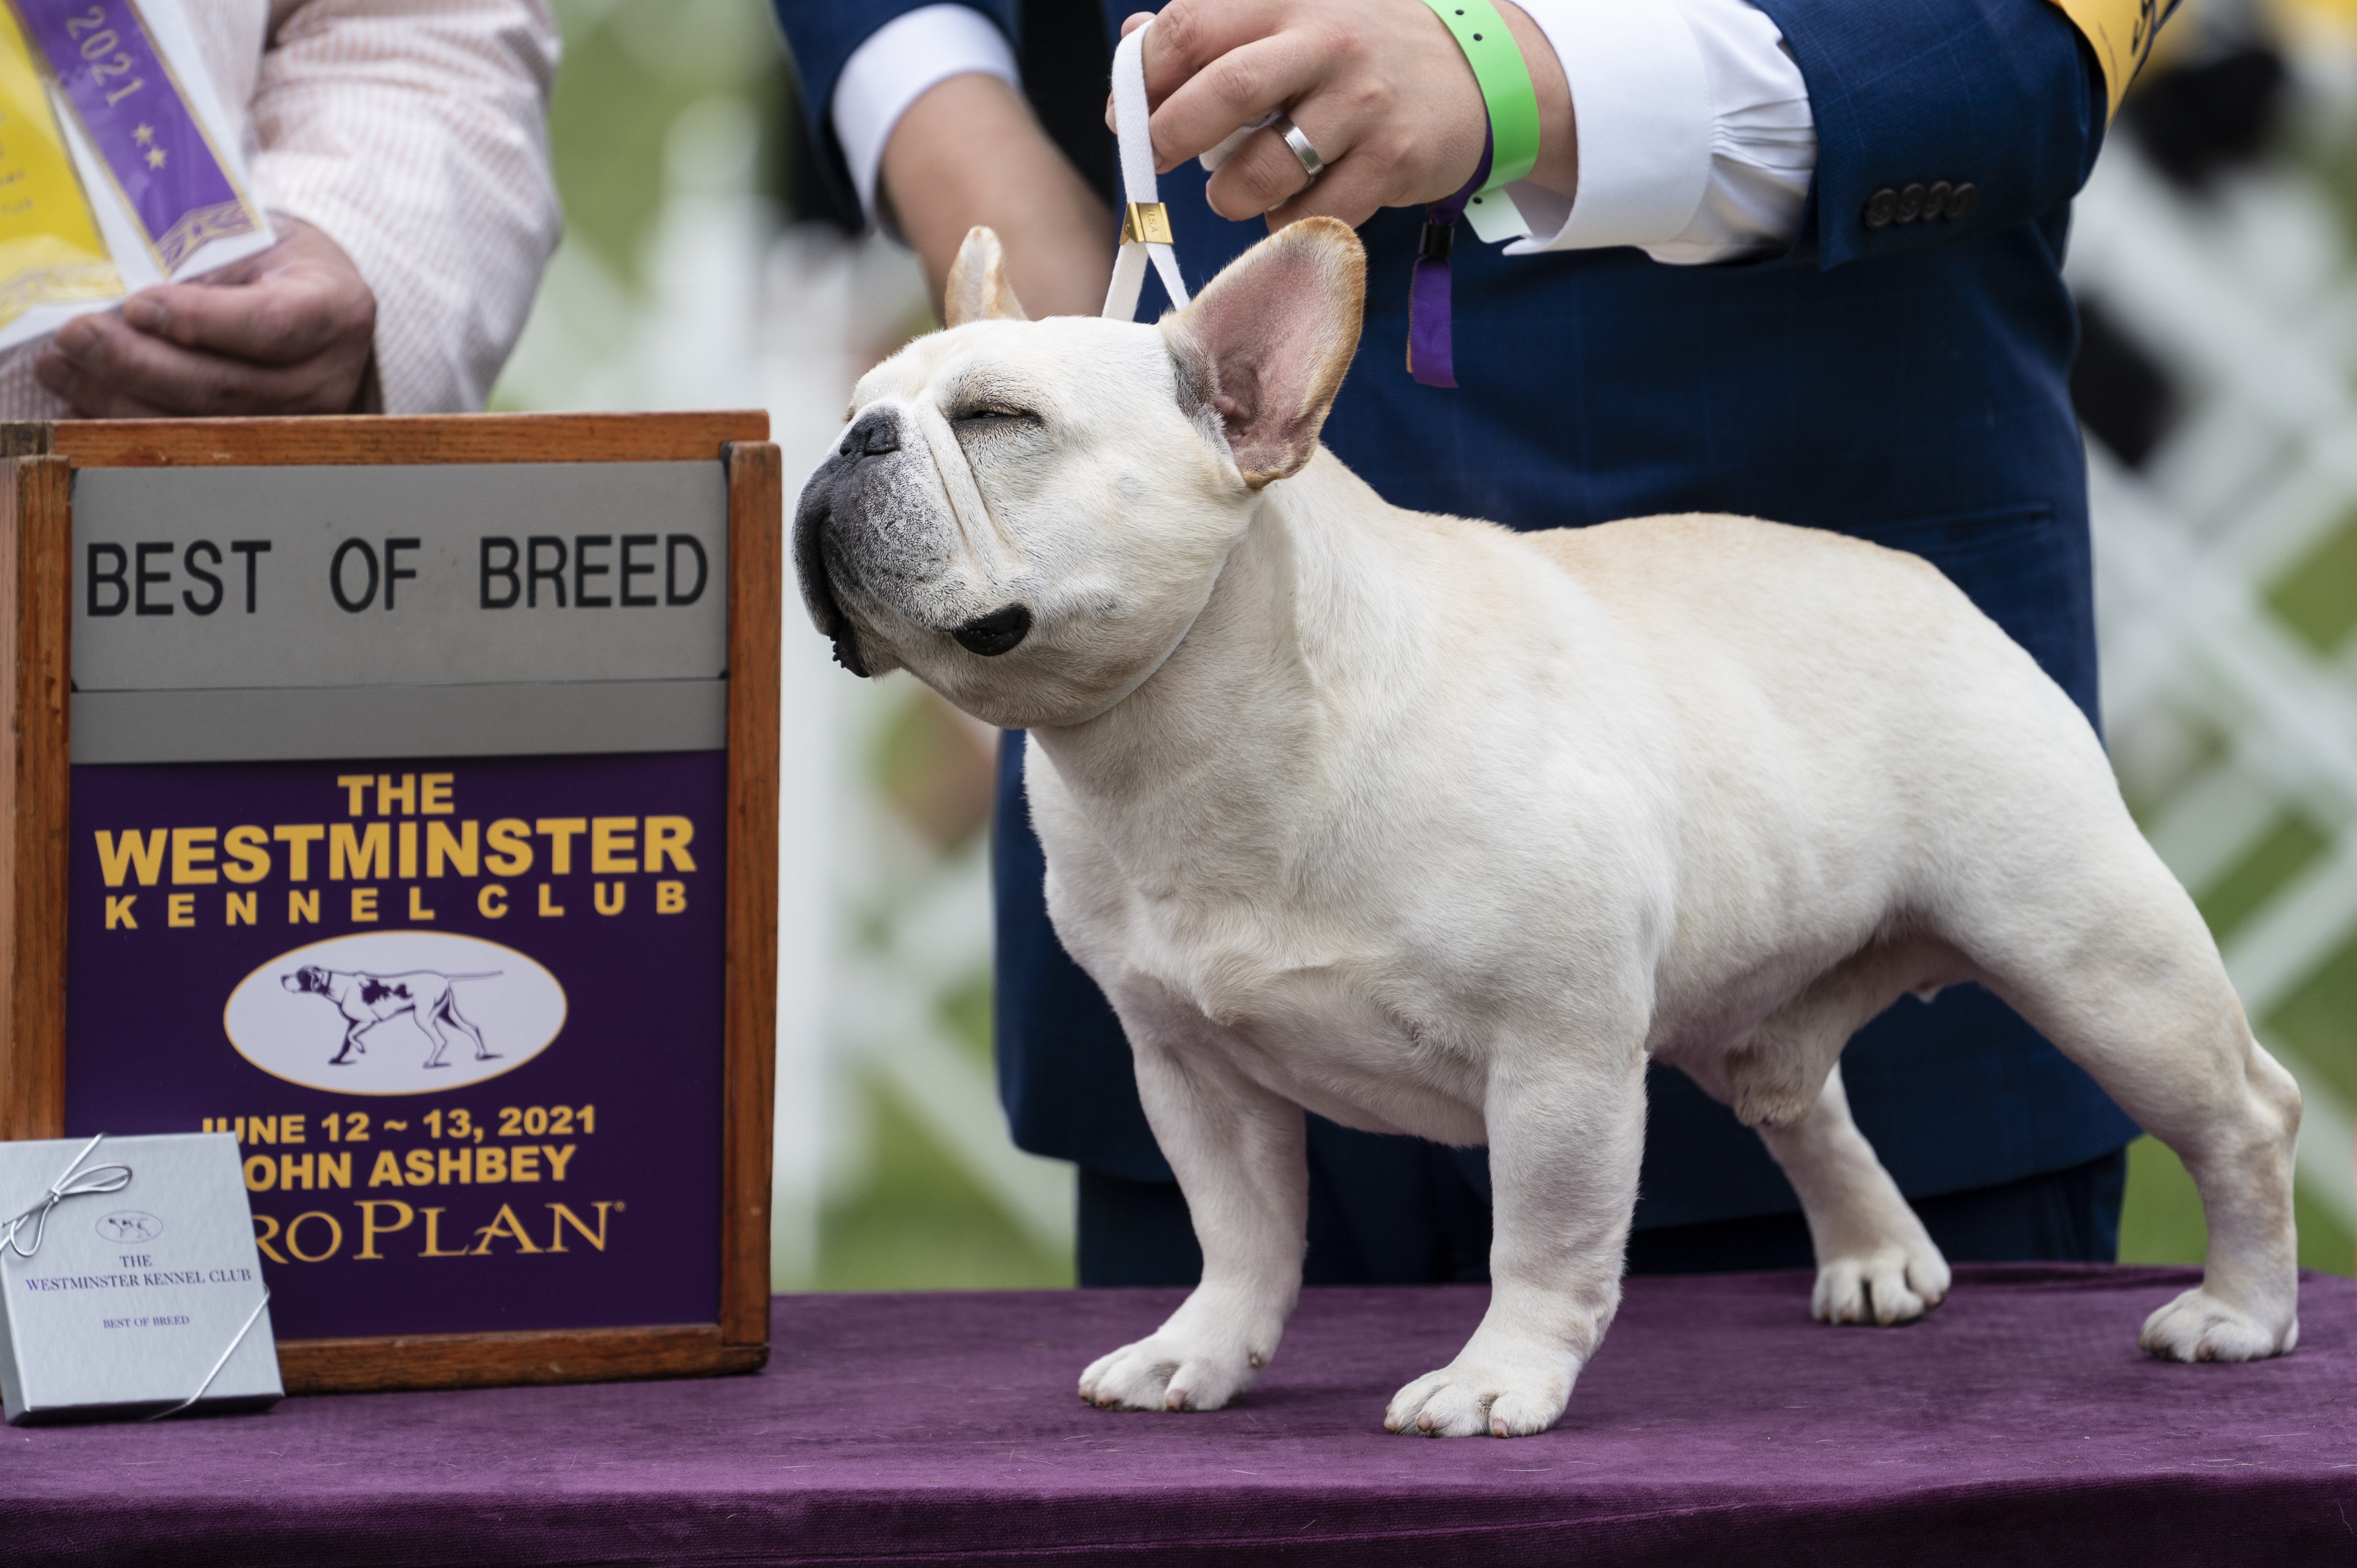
x: 1497, y: 61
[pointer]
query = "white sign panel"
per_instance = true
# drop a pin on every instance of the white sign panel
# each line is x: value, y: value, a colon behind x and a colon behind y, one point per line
x: 399, y: 576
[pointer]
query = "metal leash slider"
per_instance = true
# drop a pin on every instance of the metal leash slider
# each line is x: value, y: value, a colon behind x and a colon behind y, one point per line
x: 1145, y: 223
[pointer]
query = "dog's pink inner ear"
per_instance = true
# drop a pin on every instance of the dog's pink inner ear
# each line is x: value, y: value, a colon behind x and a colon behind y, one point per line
x: 1277, y: 330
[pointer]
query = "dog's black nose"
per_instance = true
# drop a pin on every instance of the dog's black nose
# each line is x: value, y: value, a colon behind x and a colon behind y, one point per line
x: 876, y: 433
x: 996, y: 632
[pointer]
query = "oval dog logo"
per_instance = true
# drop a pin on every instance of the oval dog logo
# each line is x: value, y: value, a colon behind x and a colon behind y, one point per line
x: 129, y: 1225
x: 394, y: 1013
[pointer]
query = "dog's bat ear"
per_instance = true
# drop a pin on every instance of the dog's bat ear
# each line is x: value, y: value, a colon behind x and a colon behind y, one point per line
x: 1267, y: 341
x: 978, y: 289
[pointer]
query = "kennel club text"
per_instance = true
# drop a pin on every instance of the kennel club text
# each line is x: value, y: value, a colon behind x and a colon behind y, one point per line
x: 404, y: 828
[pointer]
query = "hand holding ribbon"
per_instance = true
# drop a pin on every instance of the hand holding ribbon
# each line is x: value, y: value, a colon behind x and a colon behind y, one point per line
x: 288, y: 331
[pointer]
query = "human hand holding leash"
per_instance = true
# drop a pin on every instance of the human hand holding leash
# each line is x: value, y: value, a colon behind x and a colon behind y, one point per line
x: 1378, y: 87
x: 288, y: 331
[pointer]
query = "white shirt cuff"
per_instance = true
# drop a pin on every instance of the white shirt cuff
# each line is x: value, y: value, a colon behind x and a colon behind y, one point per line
x: 1764, y: 147
x: 898, y: 64
x: 1642, y: 106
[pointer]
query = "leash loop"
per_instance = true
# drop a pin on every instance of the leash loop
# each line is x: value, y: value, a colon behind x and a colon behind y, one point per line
x: 1146, y: 221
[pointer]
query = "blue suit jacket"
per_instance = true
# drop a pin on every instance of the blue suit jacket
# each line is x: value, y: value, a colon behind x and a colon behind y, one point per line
x: 1905, y: 383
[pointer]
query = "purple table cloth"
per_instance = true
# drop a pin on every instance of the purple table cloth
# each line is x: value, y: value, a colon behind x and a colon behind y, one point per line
x: 2017, y: 1425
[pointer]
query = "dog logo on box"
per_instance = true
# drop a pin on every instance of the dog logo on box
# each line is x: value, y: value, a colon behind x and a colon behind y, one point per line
x: 126, y: 1226
x: 406, y: 1013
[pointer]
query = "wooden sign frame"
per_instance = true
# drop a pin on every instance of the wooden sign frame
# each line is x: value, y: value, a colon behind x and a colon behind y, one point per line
x: 37, y: 462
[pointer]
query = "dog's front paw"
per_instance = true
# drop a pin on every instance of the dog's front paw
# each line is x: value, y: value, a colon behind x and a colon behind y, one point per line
x: 1895, y: 1282
x: 2199, y: 1326
x: 1169, y: 1371
x: 1504, y: 1397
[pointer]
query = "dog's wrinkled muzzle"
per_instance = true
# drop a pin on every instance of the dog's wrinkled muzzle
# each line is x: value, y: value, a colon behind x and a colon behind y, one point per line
x: 818, y: 594
x: 875, y: 434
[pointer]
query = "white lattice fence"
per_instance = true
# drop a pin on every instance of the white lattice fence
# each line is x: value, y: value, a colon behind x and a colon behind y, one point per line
x: 2219, y: 713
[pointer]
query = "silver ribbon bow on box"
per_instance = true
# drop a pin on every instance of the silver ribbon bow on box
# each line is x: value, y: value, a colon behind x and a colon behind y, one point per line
x: 96, y: 1182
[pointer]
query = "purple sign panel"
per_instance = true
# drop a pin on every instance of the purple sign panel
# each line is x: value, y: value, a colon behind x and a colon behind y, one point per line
x: 465, y: 1018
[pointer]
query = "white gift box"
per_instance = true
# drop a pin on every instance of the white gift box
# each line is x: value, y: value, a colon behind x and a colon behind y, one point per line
x: 144, y: 1292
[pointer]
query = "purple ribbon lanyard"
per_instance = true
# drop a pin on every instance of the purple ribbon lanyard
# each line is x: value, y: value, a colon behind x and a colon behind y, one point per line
x: 130, y: 105
x: 1431, y: 357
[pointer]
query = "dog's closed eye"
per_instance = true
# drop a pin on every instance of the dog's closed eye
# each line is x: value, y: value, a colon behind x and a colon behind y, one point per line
x: 985, y: 417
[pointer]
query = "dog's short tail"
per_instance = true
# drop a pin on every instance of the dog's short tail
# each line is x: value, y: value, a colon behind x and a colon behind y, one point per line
x: 487, y: 974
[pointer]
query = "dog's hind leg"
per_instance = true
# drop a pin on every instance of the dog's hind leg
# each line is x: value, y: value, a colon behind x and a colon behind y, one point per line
x: 433, y: 1031
x: 449, y: 1015
x: 1876, y: 1263
x: 1875, y: 1260
x: 2089, y: 937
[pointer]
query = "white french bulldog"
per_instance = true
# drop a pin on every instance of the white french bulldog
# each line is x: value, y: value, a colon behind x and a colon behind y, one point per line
x: 1431, y: 827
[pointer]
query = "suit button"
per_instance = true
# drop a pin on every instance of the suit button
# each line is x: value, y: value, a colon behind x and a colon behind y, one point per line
x: 1961, y: 199
x: 1935, y: 201
x: 1911, y: 204
x: 1879, y: 208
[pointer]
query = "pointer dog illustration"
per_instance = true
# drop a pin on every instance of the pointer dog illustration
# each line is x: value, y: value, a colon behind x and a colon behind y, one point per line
x: 367, y: 1000
x: 1430, y: 827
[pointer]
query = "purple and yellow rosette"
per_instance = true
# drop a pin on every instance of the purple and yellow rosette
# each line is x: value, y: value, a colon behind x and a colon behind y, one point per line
x: 137, y: 120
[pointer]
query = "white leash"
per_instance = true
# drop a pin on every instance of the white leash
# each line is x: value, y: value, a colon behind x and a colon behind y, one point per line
x: 1144, y: 221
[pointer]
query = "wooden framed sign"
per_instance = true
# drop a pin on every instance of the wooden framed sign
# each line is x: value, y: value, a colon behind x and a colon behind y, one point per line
x: 399, y: 795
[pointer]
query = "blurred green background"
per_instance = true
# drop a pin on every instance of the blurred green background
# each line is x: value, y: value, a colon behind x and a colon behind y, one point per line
x: 676, y: 133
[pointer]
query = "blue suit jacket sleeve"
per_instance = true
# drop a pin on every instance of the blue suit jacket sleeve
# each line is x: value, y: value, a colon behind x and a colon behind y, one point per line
x: 2000, y: 94
x: 823, y: 36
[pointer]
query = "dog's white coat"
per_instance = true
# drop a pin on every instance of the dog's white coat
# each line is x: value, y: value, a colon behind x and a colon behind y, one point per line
x: 1435, y: 828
